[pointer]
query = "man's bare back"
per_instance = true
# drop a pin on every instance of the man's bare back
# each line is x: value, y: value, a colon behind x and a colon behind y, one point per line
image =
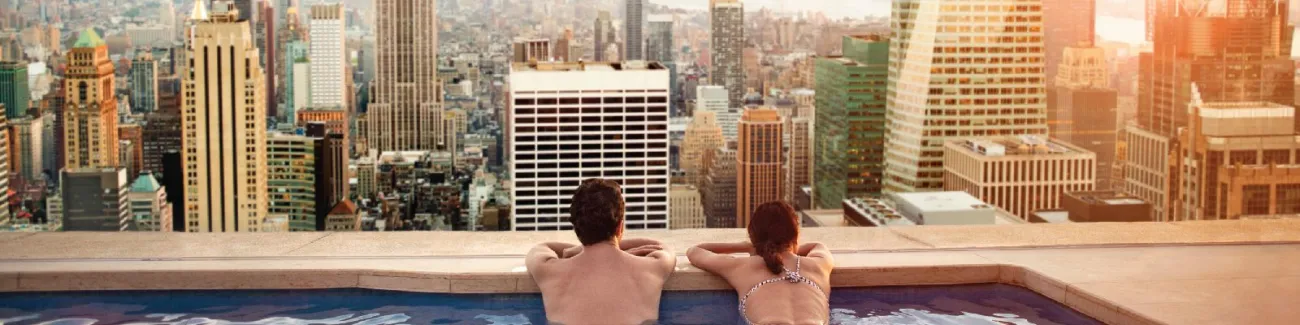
x: 601, y: 284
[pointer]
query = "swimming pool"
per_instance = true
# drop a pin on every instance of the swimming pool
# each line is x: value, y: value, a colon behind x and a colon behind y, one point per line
x: 967, y: 304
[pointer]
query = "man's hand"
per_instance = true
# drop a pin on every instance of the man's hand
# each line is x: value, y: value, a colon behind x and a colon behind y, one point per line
x: 571, y: 252
x: 644, y: 250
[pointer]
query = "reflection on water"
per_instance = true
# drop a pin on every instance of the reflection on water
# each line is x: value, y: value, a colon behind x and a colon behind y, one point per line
x: 948, y: 305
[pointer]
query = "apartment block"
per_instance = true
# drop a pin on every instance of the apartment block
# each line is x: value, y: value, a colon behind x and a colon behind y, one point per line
x: 572, y: 121
x: 1020, y: 174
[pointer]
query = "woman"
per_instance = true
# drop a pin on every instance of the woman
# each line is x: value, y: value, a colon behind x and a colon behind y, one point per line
x: 780, y: 282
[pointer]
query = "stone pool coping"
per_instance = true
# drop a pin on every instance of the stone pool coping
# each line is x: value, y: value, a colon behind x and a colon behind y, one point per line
x: 1107, y: 271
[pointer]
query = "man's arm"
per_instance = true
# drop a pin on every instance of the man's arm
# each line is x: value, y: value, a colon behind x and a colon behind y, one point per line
x: 543, y: 253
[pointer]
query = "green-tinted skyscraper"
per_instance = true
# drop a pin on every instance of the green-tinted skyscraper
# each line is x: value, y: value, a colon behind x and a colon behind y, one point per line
x: 850, y: 127
x: 13, y: 89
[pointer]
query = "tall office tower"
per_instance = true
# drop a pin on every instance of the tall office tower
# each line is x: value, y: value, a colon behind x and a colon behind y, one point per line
x: 224, y: 126
x: 759, y: 165
x: 331, y: 150
x: 26, y: 152
x: 131, y: 158
x: 14, y: 94
x: 702, y: 137
x: 1066, y: 23
x: 291, y: 166
x: 526, y: 50
x: 604, y: 36
x: 634, y: 23
x: 328, y: 57
x: 1082, y: 108
x: 405, y: 110
x: 659, y: 48
x: 798, y: 158
x: 720, y: 189
x: 714, y: 99
x: 174, y: 182
x: 937, y: 93
x: 850, y: 131
x: 5, y: 158
x: 268, y: 53
x: 149, y: 208
x: 1020, y: 174
x: 95, y: 199
x: 1231, y: 155
x: 161, y: 133
x: 144, y: 84
x: 245, y: 9
x: 90, y: 114
x: 687, y: 212
x: 1149, y: 169
x: 1233, y: 50
x: 297, y: 95
x: 575, y: 121
x: 727, y: 23
x: 562, y: 45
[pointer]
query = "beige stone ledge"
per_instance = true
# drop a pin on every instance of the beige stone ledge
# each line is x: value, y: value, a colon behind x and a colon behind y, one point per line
x: 1223, y: 272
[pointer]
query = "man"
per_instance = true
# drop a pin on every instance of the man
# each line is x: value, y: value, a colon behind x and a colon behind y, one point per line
x: 608, y: 280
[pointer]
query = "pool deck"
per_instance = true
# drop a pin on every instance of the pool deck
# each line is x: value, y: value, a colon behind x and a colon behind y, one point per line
x: 1220, y: 272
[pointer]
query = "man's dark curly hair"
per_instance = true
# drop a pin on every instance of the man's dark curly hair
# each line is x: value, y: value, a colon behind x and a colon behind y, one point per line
x: 596, y: 211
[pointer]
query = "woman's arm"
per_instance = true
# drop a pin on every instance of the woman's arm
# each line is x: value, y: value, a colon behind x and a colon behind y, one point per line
x: 819, y: 252
x: 716, y: 257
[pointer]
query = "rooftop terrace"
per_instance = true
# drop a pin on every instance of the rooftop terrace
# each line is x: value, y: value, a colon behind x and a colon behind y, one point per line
x: 1210, y: 272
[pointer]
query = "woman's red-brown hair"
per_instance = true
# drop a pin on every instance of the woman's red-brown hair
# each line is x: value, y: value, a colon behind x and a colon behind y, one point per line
x: 774, y: 230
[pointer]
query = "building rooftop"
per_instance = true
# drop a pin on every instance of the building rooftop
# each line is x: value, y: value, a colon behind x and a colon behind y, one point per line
x: 586, y: 66
x: 1025, y: 145
x: 1106, y: 197
x: 943, y: 201
x: 89, y: 38
x: 145, y: 183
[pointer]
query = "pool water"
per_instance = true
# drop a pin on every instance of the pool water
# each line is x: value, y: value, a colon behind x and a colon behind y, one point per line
x: 969, y: 304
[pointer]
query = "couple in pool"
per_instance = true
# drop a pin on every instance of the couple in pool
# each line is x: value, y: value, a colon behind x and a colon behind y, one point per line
x: 610, y: 280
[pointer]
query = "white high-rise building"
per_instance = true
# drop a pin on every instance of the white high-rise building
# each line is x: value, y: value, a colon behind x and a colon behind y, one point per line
x: 224, y: 125
x: 328, y: 57
x: 714, y: 99
x: 576, y: 121
x: 959, y: 71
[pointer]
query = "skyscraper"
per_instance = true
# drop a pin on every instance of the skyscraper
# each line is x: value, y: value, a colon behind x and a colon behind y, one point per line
x: 90, y: 115
x: 95, y: 199
x: 634, y: 23
x: 1067, y: 23
x: 937, y: 91
x: 1234, y: 51
x: 714, y: 99
x: 328, y: 57
x: 604, y: 36
x: 702, y: 136
x: 14, y: 94
x: 224, y: 126
x: 27, y: 154
x: 144, y: 84
x: 1082, y: 108
x: 727, y: 23
x: 554, y: 148
x: 720, y: 189
x: 798, y: 157
x: 850, y: 129
x: 291, y: 166
x: 759, y: 165
x: 687, y: 211
x: 405, y: 111
x: 659, y: 48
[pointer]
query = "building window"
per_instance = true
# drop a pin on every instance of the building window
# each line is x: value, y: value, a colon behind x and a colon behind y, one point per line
x: 1288, y: 199
x: 1255, y: 200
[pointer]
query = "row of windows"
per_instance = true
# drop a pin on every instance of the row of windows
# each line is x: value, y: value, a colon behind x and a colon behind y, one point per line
x: 546, y: 148
x: 658, y: 163
x: 565, y: 202
x: 590, y: 137
x: 626, y: 183
x: 590, y: 100
x: 593, y: 174
x: 589, y: 110
x: 591, y: 128
x: 591, y: 119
